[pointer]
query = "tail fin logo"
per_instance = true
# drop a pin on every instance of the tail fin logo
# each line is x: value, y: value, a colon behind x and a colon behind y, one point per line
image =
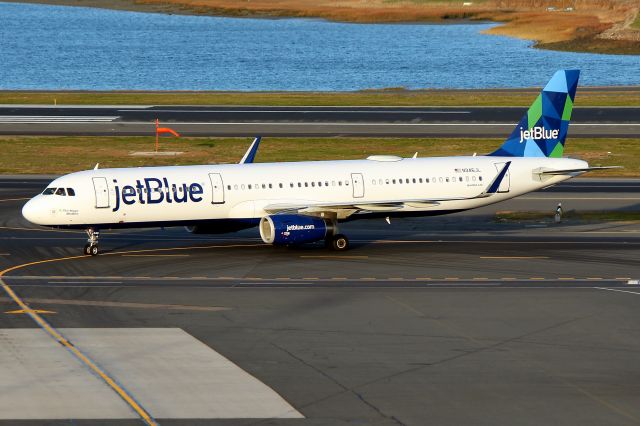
x: 538, y: 133
x: 542, y: 130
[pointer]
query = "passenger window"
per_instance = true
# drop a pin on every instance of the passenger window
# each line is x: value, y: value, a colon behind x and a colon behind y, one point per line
x: 264, y: 186
x: 242, y: 186
x: 49, y: 191
x: 447, y: 179
x: 393, y: 181
x: 346, y: 183
x: 373, y: 181
x: 426, y: 180
x: 229, y: 187
x: 291, y: 185
x: 326, y: 183
x: 61, y: 191
x: 235, y: 187
x: 270, y: 186
x: 387, y: 181
x: 313, y: 184
x: 319, y: 183
x: 414, y: 180
x: 460, y: 178
x: 339, y: 183
x: 306, y: 184
x: 249, y: 186
x: 480, y: 178
x: 299, y: 185
x: 399, y: 180
x: 420, y: 180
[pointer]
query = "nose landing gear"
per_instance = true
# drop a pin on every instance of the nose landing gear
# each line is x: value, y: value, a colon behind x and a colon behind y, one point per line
x: 91, y: 248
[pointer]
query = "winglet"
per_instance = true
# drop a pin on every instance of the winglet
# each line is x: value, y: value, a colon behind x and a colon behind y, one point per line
x: 493, y: 186
x: 250, y: 155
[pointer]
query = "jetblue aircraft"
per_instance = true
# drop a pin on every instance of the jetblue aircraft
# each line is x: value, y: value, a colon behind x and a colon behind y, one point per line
x: 301, y: 202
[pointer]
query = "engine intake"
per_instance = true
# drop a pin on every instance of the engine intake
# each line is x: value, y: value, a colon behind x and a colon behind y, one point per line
x: 293, y: 229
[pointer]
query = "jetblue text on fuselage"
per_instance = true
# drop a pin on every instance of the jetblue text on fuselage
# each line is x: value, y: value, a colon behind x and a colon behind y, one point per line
x: 157, y: 191
x: 538, y: 133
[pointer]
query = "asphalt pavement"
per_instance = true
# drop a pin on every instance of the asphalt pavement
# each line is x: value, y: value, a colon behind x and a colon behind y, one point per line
x: 464, y: 121
x: 443, y: 320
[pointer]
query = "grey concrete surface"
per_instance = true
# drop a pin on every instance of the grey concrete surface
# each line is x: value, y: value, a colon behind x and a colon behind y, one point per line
x: 39, y: 379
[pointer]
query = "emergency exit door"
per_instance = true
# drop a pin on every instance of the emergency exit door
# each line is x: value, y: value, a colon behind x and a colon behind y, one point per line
x: 506, y: 181
x: 217, y: 188
x: 102, y: 192
x: 358, y: 185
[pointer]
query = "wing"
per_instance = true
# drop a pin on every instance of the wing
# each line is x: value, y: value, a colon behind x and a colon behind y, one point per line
x: 348, y: 208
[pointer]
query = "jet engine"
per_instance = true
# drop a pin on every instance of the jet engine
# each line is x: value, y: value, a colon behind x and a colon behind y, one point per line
x: 294, y: 229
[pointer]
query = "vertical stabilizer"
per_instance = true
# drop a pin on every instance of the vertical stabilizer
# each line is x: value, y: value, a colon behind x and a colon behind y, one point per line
x: 543, y: 129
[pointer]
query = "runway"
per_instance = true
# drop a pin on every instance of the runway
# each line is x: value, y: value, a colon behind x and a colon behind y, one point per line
x: 445, y: 320
x: 464, y: 121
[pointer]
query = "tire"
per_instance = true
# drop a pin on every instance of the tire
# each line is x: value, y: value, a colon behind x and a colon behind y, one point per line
x: 87, y: 249
x: 340, y: 242
x: 93, y: 250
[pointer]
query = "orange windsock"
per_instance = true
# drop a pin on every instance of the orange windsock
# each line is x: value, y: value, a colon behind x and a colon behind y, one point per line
x: 165, y: 130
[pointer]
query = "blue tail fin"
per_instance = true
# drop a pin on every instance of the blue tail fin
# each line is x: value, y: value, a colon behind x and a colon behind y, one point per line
x: 543, y: 129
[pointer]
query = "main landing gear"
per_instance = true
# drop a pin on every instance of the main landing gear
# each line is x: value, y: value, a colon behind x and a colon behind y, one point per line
x: 337, y: 242
x: 91, y: 248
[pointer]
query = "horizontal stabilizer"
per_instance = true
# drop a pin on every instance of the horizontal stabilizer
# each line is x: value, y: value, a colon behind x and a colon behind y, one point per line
x: 572, y: 171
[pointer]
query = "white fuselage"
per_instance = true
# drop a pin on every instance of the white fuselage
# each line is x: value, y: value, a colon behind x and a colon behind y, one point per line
x: 182, y: 195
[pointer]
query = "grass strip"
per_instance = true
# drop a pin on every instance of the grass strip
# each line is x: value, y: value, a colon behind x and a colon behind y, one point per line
x: 629, y: 96
x: 64, y: 154
x: 585, y: 216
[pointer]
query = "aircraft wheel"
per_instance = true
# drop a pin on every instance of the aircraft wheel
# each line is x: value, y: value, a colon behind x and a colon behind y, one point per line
x: 340, y: 242
x: 93, y: 250
x: 87, y: 249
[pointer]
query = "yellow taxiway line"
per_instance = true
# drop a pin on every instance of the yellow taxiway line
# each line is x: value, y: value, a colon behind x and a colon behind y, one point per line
x: 35, y: 315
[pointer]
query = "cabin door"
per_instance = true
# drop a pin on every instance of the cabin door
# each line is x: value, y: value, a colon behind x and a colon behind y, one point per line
x: 102, y: 192
x: 217, y: 188
x: 358, y: 185
x: 506, y: 182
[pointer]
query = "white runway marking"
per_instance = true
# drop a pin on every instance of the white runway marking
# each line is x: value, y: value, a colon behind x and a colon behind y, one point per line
x: 297, y: 111
x: 54, y: 118
x: 619, y: 291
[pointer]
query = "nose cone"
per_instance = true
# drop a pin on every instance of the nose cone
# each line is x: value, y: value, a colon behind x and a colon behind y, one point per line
x: 31, y: 212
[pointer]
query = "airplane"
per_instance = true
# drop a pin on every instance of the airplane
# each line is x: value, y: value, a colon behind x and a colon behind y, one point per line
x: 293, y: 203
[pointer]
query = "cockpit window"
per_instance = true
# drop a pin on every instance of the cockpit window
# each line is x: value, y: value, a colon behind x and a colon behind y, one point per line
x: 71, y: 192
x: 49, y: 191
x: 61, y: 191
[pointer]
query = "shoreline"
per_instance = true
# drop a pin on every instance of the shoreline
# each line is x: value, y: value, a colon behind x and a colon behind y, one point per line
x: 576, y: 31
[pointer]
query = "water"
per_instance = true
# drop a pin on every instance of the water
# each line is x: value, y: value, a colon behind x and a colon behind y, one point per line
x: 53, y: 47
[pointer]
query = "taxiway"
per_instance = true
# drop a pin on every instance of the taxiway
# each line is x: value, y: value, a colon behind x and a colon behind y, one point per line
x: 447, y: 320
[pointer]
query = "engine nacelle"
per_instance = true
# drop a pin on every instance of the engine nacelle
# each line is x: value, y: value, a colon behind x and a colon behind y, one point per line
x: 293, y: 229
